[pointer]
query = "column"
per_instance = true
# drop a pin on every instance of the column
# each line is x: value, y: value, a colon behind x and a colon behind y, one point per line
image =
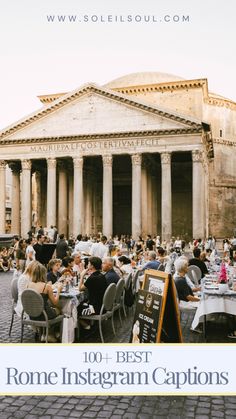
x: 71, y: 200
x: 136, y: 195
x: 38, y: 197
x: 62, y: 200
x: 144, y: 199
x: 26, y: 216
x: 154, y: 205
x: 51, y: 192
x: 78, y: 212
x: 198, y: 195
x: 107, y: 202
x: 15, y: 200
x: 88, y: 205
x: 43, y: 197
x: 149, y: 202
x: 166, y: 202
x: 3, y: 197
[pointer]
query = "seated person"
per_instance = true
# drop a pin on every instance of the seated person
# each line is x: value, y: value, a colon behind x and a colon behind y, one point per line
x: 198, y: 262
x: 108, y: 269
x: 39, y: 284
x: 67, y: 266
x: 23, y: 282
x: 124, y: 263
x: 78, y: 263
x: 95, y: 284
x: 184, y: 291
x: 5, y: 262
x: 53, y: 270
x: 188, y: 280
x: 152, y: 263
x: 161, y: 258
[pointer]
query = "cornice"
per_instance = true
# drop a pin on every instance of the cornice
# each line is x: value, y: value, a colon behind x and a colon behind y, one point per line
x: 162, y: 87
x: 45, y: 99
x: 133, y: 134
x: 179, y: 85
x: 70, y: 97
x: 223, y: 103
x: 224, y: 142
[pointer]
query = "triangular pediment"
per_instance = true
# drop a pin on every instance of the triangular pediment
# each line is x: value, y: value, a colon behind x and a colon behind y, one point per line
x: 92, y: 110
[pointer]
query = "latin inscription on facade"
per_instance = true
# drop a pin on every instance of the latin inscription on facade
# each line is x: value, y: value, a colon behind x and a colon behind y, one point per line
x: 95, y: 145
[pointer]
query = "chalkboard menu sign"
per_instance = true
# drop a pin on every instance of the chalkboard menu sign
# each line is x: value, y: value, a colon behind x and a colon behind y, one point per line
x: 157, y: 316
x: 146, y: 317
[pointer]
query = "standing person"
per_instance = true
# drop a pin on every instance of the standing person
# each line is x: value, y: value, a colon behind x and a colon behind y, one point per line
x: 55, y: 234
x: 139, y: 246
x: 226, y: 247
x: 41, y: 230
x: 100, y: 250
x: 149, y: 243
x: 30, y: 252
x: 178, y: 243
x: 96, y: 283
x: 51, y: 233
x: 62, y: 248
x: 20, y: 255
x: 198, y: 262
x: 38, y: 247
x: 31, y: 232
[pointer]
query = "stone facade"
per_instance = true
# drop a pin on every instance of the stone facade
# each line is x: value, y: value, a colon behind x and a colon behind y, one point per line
x: 148, y: 153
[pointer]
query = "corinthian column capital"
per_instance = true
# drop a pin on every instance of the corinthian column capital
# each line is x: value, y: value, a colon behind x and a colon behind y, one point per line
x: 52, y: 163
x: 136, y: 159
x: 78, y: 162
x: 165, y: 158
x: 26, y: 164
x: 196, y: 155
x: 2, y: 164
x: 107, y: 160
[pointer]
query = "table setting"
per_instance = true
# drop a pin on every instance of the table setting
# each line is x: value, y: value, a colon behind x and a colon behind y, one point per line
x: 218, y: 295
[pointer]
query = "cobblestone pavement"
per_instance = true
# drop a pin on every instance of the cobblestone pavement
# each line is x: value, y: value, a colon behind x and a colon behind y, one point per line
x: 118, y: 407
x: 113, y: 407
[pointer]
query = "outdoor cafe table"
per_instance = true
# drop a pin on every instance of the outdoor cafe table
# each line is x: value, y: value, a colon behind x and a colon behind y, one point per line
x: 213, y: 301
x: 69, y: 302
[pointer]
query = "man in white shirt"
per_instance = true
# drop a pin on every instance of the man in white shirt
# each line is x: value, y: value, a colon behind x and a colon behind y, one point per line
x: 83, y: 245
x: 100, y: 249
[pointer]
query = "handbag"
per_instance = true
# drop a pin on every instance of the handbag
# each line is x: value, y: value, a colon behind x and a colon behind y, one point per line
x: 68, y: 330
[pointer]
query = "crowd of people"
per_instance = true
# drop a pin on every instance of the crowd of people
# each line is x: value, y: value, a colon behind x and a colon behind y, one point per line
x: 93, y: 263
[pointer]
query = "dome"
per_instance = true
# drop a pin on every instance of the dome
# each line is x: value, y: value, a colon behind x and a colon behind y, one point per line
x: 139, y: 79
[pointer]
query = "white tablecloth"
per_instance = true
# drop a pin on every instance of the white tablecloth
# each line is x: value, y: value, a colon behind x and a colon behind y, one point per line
x: 214, y: 302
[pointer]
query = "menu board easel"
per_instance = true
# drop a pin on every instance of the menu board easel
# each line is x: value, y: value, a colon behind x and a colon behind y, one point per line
x: 157, y: 317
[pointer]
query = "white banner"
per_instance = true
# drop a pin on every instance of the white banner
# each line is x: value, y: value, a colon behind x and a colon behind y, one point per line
x: 117, y: 369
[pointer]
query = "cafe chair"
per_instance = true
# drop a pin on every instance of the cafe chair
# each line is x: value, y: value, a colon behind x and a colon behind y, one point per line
x: 33, y: 306
x: 195, y: 274
x: 107, y: 310
x: 135, y: 280
x: 118, y: 298
x: 14, y: 294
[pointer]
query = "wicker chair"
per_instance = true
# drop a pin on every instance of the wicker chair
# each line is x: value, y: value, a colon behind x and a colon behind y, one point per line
x: 33, y: 305
x: 14, y: 294
x: 107, y: 310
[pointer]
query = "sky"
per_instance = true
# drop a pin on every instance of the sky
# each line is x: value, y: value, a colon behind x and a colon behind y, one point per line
x: 188, y: 38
